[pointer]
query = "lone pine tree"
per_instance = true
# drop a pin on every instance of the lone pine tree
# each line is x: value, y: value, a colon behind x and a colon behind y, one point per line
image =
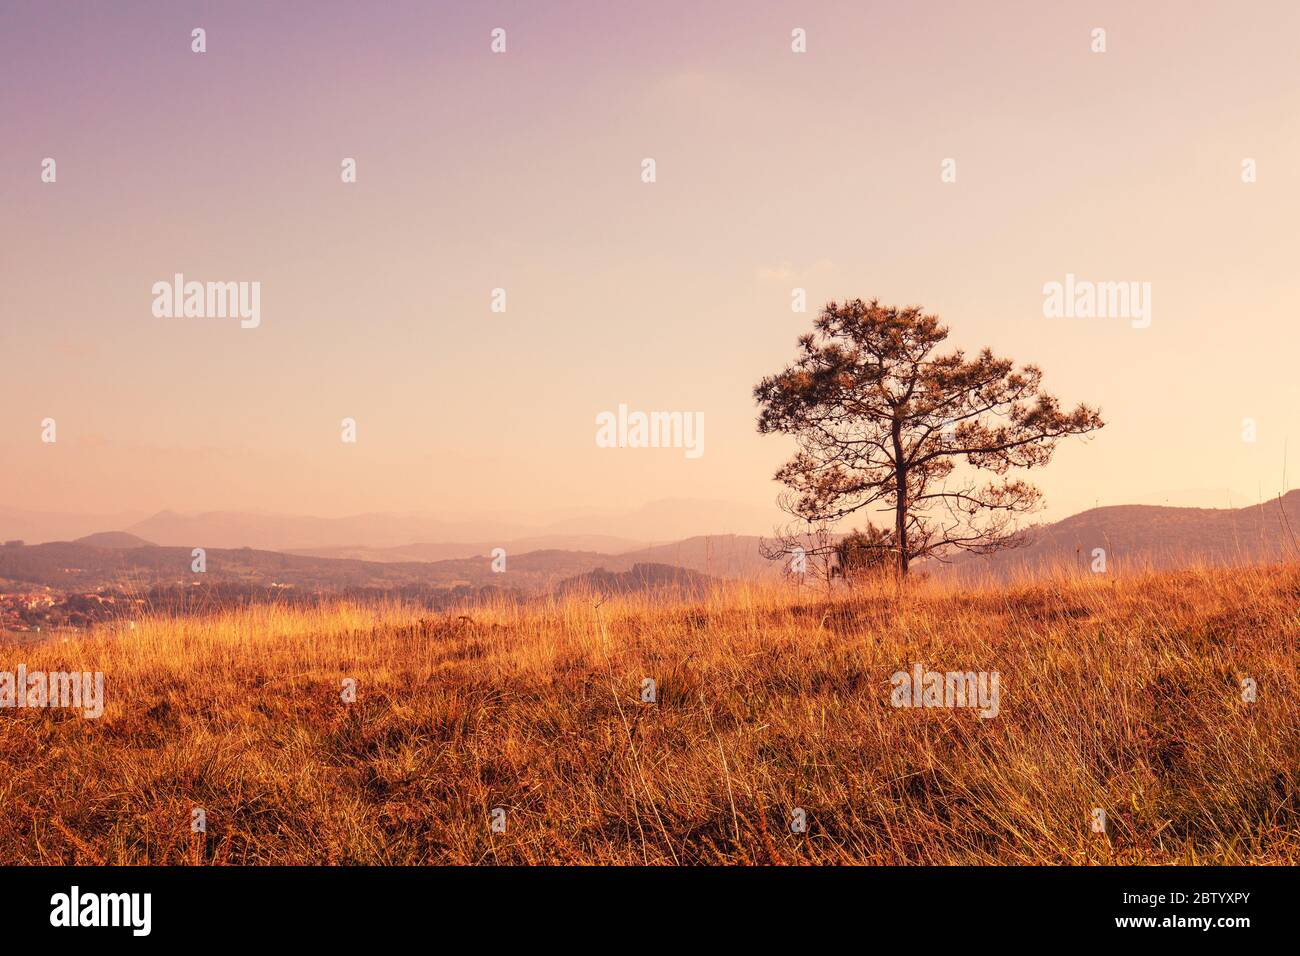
x: 884, y: 421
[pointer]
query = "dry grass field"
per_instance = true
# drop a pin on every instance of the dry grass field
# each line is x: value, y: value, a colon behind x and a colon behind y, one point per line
x: 1118, y: 694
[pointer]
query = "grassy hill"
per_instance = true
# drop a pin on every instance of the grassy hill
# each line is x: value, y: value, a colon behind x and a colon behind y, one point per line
x: 1121, y: 694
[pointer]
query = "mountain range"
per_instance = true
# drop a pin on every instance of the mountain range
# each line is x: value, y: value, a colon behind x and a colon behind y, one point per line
x: 1131, y: 537
x: 1151, y: 536
x: 126, y: 562
x: 404, y: 537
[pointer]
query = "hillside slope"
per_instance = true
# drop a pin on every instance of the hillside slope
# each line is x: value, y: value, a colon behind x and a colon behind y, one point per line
x: 1148, y: 536
x: 1120, y: 695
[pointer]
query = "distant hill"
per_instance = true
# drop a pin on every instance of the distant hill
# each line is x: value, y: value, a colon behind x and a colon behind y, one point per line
x: 666, y: 520
x: 118, y: 559
x: 448, y: 551
x: 73, y: 566
x: 37, y: 526
x: 114, y: 539
x: 269, y: 532
x: 718, y: 555
x: 672, y: 519
x: 641, y: 577
x: 1135, y: 536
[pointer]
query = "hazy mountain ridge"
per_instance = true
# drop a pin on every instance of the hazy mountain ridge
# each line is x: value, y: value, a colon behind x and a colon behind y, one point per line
x: 640, y: 577
x: 85, y: 566
x: 114, y: 539
x: 1135, y: 536
x: 410, y: 536
x: 448, y: 551
x: 39, y: 526
x: 1132, y: 536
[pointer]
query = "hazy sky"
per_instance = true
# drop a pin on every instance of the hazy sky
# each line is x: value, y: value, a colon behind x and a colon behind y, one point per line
x: 522, y: 170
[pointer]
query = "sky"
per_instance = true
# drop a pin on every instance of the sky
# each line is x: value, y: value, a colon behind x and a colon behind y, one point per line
x: 522, y: 170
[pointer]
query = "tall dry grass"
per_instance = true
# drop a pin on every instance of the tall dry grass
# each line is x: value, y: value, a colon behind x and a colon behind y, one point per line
x: 1118, y: 694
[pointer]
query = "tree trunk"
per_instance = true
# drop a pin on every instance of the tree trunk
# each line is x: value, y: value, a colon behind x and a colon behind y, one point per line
x: 900, y: 499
